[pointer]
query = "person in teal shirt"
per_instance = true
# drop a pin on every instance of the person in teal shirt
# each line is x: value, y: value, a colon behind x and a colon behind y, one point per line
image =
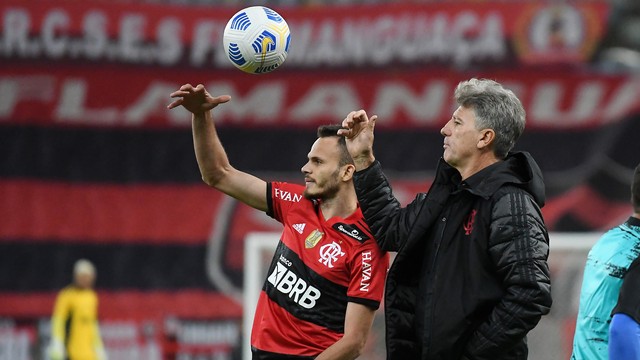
x: 607, y: 263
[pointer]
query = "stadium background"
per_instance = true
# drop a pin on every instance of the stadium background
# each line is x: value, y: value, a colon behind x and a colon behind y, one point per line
x: 92, y: 164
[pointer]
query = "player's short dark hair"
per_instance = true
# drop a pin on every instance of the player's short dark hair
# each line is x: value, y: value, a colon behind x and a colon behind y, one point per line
x: 332, y: 130
x: 635, y: 190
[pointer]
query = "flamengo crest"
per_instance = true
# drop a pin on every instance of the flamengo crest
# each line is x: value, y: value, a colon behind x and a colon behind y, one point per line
x: 329, y: 254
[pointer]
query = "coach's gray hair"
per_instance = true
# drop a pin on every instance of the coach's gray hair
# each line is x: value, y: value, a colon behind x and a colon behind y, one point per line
x: 495, y: 108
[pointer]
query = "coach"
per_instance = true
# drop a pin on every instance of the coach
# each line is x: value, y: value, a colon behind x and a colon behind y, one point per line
x: 470, y: 278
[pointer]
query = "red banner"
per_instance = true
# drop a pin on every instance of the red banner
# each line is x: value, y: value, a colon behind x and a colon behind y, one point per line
x: 373, y: 35
x: 125, y: 97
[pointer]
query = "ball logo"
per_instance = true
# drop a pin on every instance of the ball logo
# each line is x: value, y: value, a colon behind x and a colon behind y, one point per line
x: 264, y: 44
x: 329, y: 254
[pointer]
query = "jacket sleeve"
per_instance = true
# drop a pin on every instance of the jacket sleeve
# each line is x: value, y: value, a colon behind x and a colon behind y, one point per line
x: 390, y: 224
x: 518, y: 248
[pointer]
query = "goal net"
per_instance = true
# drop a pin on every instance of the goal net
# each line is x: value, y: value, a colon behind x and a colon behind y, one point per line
x: 551, y: 339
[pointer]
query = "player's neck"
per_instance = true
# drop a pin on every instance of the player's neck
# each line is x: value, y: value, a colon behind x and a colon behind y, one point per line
x: 342, y: 205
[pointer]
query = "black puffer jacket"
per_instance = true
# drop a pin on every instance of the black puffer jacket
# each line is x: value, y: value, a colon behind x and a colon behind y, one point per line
x: 470, y: 277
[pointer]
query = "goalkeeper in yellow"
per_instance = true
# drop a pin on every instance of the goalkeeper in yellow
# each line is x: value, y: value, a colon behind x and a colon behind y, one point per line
x: 74, y: 326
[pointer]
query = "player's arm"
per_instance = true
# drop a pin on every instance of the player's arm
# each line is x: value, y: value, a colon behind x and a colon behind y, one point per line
x: 624, y: 338
x: 212, y: 160
x: 98, y: 345
x: 58, y: 319
x: 357, y: 324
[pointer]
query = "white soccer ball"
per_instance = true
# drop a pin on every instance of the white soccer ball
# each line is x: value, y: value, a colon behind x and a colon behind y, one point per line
x: 256, y: 40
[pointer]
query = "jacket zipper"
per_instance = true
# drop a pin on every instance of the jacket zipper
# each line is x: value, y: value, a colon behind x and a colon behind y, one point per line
x: 432, y: 309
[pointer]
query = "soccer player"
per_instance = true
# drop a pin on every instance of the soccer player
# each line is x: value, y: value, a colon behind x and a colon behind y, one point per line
x: 624, y: 331
x: 326, y: 278
x: 607, y: 262
x: 75, y: 334
x: 470, y: 278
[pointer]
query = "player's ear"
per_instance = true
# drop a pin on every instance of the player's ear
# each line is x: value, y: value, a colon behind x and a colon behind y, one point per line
x: 347, y: 172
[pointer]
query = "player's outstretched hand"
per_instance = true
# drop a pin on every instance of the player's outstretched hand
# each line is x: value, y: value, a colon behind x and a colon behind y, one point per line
x: 358, y: 131
x: 196, y: 99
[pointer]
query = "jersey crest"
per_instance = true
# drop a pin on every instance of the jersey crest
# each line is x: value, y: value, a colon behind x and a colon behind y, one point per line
x: 329, y: 254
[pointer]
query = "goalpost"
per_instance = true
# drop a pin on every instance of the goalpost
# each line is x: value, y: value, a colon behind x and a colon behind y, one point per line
x: 551, y: 339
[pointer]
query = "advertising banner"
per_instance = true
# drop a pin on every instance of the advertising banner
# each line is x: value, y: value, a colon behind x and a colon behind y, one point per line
x: 137, y: 98
x: 375, y: 35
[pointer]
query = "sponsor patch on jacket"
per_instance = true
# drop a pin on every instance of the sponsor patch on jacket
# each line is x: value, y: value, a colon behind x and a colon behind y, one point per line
x: 352, y: 231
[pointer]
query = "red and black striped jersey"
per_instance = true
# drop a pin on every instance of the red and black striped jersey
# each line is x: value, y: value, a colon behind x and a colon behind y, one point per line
x: 318, y: 267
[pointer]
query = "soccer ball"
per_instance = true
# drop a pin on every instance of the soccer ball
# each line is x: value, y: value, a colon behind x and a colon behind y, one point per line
x: 256, y: 40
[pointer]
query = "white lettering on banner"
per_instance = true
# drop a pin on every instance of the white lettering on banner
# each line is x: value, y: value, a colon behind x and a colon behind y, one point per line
x: 550, y: 103
x: 365, y: 281
x: 546, y: 103
x: 96, y: 40
x: 56, y: 22
x: 462, y: 37
x: 288, y: 283
x: 52, y: 38
x: 623, y: 99
x: 457, y: 36
x: 150, y: 101
x: 15, y: 33
x: 169, y: 48
x: 14, y: 89
x: 203, y: 42
x: 131, y: 37
x: 427, y: 108
x: 328, y: 99
x: 71, y: 106
x: 287, y: 196
x: 264, y: 102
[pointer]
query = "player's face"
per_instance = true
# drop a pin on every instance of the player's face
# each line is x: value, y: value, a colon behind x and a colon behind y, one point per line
x: 84, y: 279
x: 460, y: 138
x: 322, y: 170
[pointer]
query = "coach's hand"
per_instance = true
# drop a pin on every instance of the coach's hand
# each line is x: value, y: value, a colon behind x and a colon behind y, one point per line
x: 358, y: 131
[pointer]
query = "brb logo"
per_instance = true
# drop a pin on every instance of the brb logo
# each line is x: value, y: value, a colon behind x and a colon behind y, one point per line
x: 288, y: 283
x: 329, y: 254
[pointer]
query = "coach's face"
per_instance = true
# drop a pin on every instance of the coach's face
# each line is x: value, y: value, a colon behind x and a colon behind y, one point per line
x: 460, y: 138
x: 321, y: 172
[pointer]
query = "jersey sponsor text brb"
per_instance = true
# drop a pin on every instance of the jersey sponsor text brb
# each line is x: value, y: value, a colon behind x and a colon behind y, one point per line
x: 289, y: 283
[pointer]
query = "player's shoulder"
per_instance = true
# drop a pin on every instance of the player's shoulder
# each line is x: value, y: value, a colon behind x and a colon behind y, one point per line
x: 68, y: 291
x: 289, y: 192
x: 356, y: 231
